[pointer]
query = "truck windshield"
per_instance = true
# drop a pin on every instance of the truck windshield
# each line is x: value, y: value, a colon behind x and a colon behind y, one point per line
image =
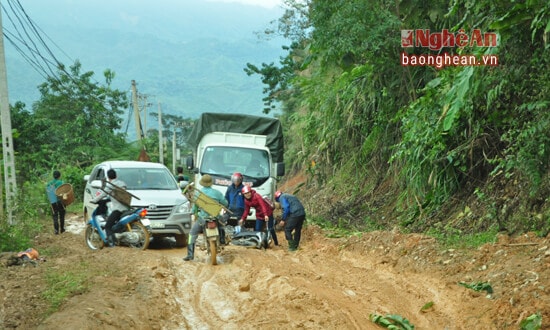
x: 225, y: 161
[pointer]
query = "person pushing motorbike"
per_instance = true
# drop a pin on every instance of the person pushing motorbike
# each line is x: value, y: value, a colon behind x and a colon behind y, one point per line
x: 264, y: 212
x: 198, y: 225
x: 294, y: 216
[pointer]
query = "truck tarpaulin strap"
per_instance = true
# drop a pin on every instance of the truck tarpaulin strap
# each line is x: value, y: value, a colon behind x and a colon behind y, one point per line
x: 238, y: 123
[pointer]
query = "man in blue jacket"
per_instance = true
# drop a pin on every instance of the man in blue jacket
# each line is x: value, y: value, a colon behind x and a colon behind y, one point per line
x: 294, y: 216
x: 234, y: 197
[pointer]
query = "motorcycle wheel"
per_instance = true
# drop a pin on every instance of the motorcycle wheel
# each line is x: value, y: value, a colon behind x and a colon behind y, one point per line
x: 246, y: 243
x: 213, y: 252
x: 143, y: 241
x: 93, y: 239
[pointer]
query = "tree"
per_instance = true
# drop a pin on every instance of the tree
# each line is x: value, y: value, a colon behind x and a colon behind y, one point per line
x: 75, y: 122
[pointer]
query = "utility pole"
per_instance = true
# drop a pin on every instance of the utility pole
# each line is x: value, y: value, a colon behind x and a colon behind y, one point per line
x: 145, y: 104
x: 136, y: 111
x: 7, y: 138
x: 174, y: 151
x: 161, y: 147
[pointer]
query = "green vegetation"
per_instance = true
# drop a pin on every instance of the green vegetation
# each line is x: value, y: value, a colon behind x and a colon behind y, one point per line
x: 417, y: 143
x: 427, y: 306
x: 455, y: 152
x: 60, y: 285
x: 478, y: 286
x: 74, y: 125
x: 533, y: 322
x: 391, y: 321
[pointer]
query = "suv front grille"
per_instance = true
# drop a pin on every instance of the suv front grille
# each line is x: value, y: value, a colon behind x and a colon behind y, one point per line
x: 161, y: 212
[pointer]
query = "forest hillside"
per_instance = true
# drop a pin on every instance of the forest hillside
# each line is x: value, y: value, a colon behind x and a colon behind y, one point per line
x: 393, y: 126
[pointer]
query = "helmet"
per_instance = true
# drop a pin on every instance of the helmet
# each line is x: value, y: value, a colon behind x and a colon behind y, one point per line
x: 237, y: 177
x: 246, y: 189
x: 278, y: 194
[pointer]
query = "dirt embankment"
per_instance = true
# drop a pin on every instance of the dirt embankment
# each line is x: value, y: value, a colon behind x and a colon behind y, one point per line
x: 327, y: 284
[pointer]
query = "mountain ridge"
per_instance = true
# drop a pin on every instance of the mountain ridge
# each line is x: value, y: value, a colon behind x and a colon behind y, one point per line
x: 187, y: 73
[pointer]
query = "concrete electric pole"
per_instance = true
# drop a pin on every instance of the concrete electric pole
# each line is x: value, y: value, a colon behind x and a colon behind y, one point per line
x: 7, y: 138
x: 136, y: 111
x: 161, y: 147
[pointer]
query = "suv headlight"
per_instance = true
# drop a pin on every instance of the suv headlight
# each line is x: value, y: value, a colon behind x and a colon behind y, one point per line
x: 184, y: 208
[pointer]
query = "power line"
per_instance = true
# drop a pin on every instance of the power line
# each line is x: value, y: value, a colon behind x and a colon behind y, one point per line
x: 25, y: 29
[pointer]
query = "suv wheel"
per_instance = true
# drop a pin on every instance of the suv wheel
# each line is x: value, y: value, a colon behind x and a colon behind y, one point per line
x: 181, y: 240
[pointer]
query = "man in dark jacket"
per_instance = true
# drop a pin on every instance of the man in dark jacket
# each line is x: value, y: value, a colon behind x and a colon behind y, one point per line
x: 234, y: 196
x: 294, y: 216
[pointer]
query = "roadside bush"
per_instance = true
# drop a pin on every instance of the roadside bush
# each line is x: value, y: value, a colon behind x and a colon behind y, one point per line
x: 32, y: 208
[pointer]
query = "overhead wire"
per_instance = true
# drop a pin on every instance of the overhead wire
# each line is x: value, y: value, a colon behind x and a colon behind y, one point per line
x: 36, y: 58
x: 42, y: 64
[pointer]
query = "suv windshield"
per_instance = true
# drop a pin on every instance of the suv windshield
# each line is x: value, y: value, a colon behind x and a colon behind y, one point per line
x: 147, y: 178
x: 228, y: 160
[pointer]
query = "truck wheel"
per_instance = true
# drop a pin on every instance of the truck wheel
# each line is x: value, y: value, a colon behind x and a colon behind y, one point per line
x: 181, y: 240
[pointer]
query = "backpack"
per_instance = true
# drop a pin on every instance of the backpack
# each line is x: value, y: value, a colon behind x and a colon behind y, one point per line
x: 269, y: 202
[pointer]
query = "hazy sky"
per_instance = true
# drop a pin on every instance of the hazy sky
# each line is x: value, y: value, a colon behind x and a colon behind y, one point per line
x: 173, y: 49
x: 263, y: 3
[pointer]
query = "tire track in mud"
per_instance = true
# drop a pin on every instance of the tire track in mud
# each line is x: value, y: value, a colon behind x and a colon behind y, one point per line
x: 317, y: 287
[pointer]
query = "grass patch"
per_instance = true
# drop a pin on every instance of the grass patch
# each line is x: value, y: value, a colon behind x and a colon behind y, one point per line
x: 62, y: 284
x: 334, y: 231
x: 454, y: 238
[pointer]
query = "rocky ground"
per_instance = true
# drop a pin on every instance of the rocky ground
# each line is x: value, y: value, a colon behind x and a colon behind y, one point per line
x: 330, y: 283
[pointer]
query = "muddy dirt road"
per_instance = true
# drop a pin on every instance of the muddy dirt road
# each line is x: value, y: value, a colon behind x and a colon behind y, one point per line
x: 327, y: 284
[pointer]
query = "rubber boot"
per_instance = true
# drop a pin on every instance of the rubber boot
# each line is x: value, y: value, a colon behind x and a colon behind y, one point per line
x: 221, y: 230
x: 274, y: 237
x: 190, y: 252
x: 291, y: 246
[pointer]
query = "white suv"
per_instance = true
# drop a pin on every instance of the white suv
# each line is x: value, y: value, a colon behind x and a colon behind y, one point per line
x: 157, y: 190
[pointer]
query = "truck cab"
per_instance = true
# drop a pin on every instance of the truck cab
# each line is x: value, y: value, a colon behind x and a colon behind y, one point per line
x: 221, y: 149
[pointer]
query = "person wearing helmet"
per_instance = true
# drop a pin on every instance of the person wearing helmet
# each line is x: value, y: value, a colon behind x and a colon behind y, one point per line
x: 234, y: 196
x: 198, y: 225
x: 294, y: 216
x: 264, y: 212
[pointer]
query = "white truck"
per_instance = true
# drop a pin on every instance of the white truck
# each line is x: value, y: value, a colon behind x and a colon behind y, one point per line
x: 227, y: 143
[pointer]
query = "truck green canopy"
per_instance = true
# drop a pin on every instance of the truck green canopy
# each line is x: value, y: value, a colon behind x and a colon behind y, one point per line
x: 239, y: 123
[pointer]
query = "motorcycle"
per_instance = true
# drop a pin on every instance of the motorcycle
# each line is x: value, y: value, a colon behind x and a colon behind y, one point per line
x: 133, y: 228
x: 215, y: 211
x: 248, y: 238
x: 211, y: 242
